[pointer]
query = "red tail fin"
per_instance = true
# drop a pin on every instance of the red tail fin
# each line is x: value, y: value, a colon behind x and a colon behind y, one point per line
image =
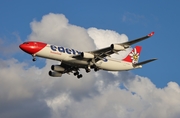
x: 133, y: 56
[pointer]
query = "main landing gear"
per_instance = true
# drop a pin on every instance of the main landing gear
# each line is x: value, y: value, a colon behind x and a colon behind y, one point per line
x: 78, y: 75
x: 96, y: 69
x: 88, y: 69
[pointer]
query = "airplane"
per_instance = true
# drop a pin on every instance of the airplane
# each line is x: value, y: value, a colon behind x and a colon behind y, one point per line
x: 72, y: 60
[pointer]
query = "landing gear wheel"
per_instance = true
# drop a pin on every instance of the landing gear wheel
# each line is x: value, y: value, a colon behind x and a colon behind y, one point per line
x: 88, y: 70
x: 96, y: 69
x: 79, y: 76
x: 34, y: 59
x: 76, y: 73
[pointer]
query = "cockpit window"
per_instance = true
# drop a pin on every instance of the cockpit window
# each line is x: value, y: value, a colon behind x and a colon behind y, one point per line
x: 25, y: 43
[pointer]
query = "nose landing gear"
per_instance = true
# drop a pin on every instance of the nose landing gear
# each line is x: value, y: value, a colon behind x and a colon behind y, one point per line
x: 34, y: 58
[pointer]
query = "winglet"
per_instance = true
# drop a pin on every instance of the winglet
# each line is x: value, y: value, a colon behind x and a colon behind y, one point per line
x: 151, y: 34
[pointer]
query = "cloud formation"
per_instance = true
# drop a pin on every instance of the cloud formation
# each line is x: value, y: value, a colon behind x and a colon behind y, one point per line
x: 55, y: 29
x: 9, y: 48
x: 28, y: 91
x: 133, y: 18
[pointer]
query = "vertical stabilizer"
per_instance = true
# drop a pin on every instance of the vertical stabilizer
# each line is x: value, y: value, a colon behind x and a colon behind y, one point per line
x: 133, y: 56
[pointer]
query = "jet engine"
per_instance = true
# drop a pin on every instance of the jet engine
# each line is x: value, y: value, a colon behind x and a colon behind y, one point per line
x: 55, y: 74
x: 117, y: 47
x: 87, y: 55
x: 57, y: 68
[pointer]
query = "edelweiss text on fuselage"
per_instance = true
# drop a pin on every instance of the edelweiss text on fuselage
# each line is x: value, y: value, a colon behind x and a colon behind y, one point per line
x: 64, y: 50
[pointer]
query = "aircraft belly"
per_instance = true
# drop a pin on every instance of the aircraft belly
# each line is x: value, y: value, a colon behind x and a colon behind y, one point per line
x: 115, y: 66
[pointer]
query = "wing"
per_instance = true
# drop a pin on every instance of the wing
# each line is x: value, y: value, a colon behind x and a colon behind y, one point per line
x: 114, y: 48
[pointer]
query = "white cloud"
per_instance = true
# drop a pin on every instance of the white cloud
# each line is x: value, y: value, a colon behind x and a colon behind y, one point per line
x: 27, y: 91
x: 104, y: 38
x: 55, y: 29
x: 133, y: 18
x: 10, y: 48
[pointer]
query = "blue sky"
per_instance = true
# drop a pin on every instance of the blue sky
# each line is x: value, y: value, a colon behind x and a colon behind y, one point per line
x: 133, y: 18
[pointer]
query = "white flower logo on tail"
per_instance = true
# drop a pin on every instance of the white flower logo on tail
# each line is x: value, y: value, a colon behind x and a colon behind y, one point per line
x: 134, y: 56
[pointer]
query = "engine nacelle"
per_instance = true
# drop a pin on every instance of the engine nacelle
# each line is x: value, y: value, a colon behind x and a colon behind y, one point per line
x: 87, y: 55
x: 55, y: 74
x: 117, y: 47
x: 57, y: 68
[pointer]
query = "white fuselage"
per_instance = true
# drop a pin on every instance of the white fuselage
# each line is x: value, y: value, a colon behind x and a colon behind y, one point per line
x: 66, y: 55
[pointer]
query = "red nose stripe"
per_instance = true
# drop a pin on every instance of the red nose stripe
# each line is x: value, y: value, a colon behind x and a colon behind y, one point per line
x: 32, y: 47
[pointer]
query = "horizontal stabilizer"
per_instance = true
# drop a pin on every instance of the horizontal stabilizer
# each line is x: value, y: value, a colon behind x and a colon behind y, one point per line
x: 144, y: 62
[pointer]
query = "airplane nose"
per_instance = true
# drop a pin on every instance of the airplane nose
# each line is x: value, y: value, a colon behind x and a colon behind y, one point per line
x: 26, y: 48
x: 21, y: 46
x: 32, y: 47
